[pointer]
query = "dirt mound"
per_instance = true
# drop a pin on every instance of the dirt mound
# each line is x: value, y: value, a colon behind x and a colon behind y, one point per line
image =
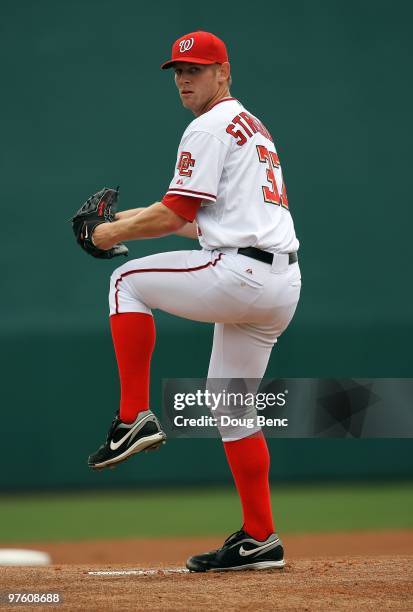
x: 346, y: 571
x: 358, y: 583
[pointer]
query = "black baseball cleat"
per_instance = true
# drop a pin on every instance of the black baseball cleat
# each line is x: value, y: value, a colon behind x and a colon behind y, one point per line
x: 240, y: 552
x: 124, y: 440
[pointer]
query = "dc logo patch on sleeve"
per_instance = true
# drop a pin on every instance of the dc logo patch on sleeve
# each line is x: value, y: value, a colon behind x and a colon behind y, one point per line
x: 186, y: 162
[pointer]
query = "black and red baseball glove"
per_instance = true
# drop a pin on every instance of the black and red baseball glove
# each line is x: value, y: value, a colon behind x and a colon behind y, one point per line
x: 99, y: 208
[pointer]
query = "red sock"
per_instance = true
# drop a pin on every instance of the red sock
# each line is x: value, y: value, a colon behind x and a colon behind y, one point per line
x: 133, y: 335
x: 249, y: 461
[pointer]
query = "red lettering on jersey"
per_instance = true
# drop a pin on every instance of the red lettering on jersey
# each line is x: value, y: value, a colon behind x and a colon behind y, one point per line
x: 236, y: 134
x: 186, y: 161
x: 263, y: 130
x: 284, y: 199
x: 270, y: 194
x: 275, y: 159
x: 248, y: 119
x: 250, y: 125
x: 238, y: 120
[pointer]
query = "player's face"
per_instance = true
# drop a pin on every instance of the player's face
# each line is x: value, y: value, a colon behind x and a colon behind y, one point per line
x: 198, y: 84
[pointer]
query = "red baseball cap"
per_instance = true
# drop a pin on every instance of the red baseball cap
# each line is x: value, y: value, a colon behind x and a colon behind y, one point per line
x: 198, y: 48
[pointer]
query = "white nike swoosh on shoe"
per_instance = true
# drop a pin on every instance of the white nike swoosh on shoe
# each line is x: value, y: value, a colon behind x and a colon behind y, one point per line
x: 116, y: 445
x: 247, y: 553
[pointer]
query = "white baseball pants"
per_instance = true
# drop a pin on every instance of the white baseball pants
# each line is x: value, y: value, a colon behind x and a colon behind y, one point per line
x: 250, y: 302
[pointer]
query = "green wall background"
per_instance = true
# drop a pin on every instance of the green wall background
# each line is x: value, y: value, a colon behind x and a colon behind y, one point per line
x: 84, y: 104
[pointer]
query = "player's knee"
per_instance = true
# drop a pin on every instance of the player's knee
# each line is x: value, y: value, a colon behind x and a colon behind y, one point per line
x: 118, y: 274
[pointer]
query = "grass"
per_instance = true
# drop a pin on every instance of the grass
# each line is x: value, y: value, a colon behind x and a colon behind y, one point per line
x: 187, y: 512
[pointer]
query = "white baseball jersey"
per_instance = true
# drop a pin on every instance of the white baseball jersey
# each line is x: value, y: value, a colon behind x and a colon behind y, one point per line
x: 228, y: 158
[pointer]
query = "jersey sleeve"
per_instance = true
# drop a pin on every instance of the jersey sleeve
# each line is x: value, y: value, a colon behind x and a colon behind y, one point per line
x: 184, y: 206
x: 199, y: 164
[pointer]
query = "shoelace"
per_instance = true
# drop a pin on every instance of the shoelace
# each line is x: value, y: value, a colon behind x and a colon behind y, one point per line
x: 233, y: 535
x: 113, y: 426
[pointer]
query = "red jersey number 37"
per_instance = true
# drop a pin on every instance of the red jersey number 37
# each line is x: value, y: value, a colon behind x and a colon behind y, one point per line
x: 270, y: 192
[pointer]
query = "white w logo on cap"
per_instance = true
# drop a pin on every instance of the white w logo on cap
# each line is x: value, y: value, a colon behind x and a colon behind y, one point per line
x: 186, y: 44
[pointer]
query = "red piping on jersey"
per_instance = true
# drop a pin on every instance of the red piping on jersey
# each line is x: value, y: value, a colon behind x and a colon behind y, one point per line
x: 122, y: 276
x: 198, y: 193
x: 219, y: 102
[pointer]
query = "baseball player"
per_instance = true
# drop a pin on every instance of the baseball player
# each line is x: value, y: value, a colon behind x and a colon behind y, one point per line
x: 228, y: 192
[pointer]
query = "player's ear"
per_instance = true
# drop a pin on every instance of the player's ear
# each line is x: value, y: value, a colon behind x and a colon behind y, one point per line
x: 225, y: 71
